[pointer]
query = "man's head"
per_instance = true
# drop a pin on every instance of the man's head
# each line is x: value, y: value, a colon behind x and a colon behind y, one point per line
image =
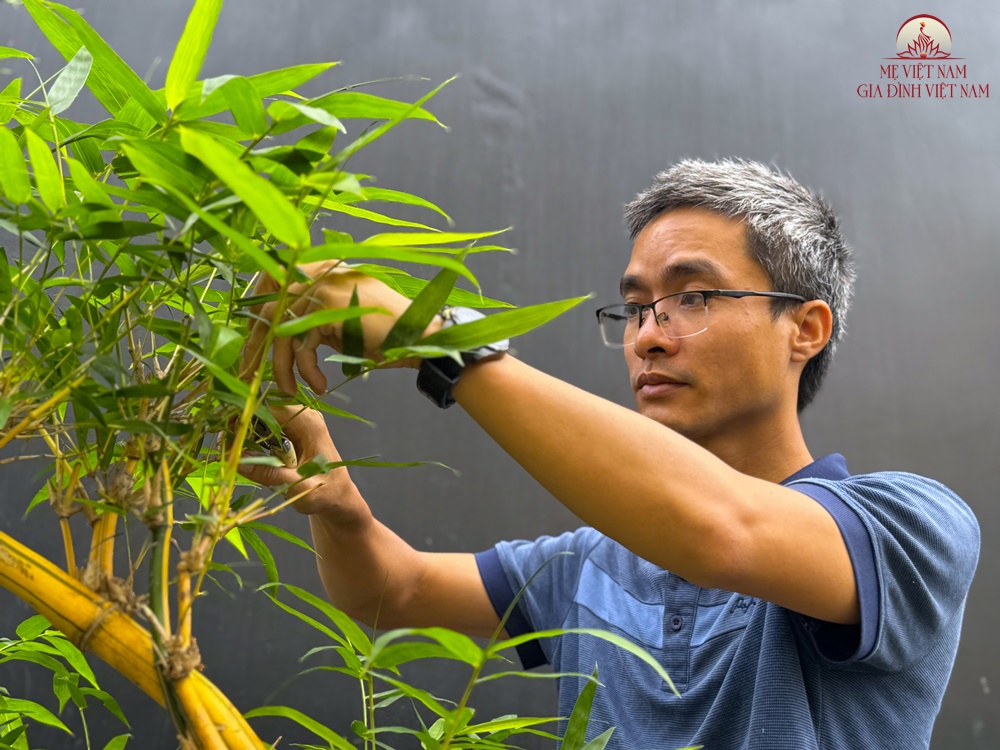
x: 761, y: 231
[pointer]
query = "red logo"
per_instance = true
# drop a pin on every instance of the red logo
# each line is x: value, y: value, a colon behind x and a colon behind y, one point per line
x: 923, y: 38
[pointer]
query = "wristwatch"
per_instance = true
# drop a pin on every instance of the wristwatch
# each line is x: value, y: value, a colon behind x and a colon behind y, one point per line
x: 438, y: 375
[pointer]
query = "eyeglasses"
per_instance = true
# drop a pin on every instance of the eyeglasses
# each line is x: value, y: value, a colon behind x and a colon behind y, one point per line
x: 678, y: 315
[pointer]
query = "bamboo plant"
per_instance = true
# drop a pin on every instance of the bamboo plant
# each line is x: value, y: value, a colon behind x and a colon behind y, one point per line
x: 131, y: 250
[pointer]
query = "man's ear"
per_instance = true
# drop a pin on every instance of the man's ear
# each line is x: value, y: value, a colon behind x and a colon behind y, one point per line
x: 813, y: 327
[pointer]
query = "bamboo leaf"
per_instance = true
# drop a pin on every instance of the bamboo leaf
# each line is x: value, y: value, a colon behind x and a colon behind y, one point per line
x: 262, y: 551
x: 410, y: 326
x: 280, y: 533
x: 302, y: 720
x: 47, y: 179
x: 576, y: 728
x: 118, y: 743
x: 601, y: 741
x: 385, y: 195
x: 14, y: 177
x: 191, y: 48
x: 416, y: 239
x: 70, y: 82
x: 6, y: 52
x: 282, y: 111
x: 357, y: 104
x: 323, y: 317
x: 346, y: 251
x: 268, y: 203
x: 34, y: 626
x: 11, y: 94
x: 86, y: 185
x: 501, y: 325
x: 622, y: 643
x: 362, y: 213
x: 73, y: 656
x: 354, y: 634
x: 33, y: 711
x: 245, y: 104
x: 108, y: 62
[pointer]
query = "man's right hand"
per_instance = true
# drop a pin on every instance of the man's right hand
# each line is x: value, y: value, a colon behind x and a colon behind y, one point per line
x: 332, y: 493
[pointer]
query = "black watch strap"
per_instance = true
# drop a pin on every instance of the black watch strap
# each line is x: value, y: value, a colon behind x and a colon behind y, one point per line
x: 438, y: 375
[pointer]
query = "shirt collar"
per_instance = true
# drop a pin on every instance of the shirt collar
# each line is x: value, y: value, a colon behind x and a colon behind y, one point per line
x: 830, y: 466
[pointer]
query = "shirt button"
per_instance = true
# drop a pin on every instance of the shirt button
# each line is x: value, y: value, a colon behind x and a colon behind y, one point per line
x: 676, y: 623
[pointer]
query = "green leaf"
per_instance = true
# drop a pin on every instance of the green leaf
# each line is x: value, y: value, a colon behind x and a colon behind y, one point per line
x: 501, y: 325
x: 415, y: 239
x: 357, y: 104
x: 33, y: 711
x: 353, y: 340
x: 385, y: 195
x: 345, y: 251
x: 234, y: 538
x: 508, y: 722
x: 323, y: 317
x: 354, y: 634
x: 12, y: 93
x: 280, y: 533
x: 262, y: 551
x: 601, y: 741
x: 47, y: 179
x: 34, y: 626
x: 378, y: 132
x: 269, y: 204
x: 73, y: 656
x: 622, y: 643
x: 86, y: 185
x: 14, y: 177
x: 191, y: 49
x: 410, y: 326
x: 6, y: 52
x: 244, y: 102
x: 576, y: 729
x: 109, y: 703
x: 70, y: 82
x: 302, y: 720
x: 118, y: 743
x: 239, y: 239
x: 282, y: 111
x: 110, y: 65
x: 334, y: 204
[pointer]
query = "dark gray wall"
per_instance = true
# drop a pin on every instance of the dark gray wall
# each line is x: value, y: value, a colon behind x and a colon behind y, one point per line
x: 562, y: 113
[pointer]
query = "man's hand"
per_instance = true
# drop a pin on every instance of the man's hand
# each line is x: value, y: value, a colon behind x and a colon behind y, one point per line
x: 333, y: 493
x: 331, y: 289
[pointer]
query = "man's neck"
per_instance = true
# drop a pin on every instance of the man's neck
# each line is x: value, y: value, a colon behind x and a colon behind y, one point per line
x: 772, y: 451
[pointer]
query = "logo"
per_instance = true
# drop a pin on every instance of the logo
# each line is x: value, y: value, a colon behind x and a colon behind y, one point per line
x: 923, y: 67
x: 923, y: 37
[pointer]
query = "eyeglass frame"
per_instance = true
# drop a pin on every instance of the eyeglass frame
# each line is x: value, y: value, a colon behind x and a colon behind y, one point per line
x: 706, y: 294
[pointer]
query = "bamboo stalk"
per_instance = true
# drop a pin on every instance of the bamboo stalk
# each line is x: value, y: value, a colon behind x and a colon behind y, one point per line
x: 68, y: 544
x: 199, y: 722
x: 114, y: 636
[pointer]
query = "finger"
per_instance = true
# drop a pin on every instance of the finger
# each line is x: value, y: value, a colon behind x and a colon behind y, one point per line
x: 265, y: 285
x: 253, y: 350
x: 269, y: 476
x: 307, y: 361
x: 283, y: 372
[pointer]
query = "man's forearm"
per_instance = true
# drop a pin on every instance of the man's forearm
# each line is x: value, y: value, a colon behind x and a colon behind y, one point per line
x: 365, y: 567
x: 645, y: 486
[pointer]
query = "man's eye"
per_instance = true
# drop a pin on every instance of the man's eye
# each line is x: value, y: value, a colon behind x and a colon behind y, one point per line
x: 632, y: 310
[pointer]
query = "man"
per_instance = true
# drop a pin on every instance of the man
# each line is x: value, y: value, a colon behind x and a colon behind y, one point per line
x: 794, y: 605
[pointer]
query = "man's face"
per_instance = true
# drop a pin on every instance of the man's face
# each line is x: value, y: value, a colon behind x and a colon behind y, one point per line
x: 733, y: 378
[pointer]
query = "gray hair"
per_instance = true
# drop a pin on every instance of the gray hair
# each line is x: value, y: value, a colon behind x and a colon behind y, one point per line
x: 791, y: 232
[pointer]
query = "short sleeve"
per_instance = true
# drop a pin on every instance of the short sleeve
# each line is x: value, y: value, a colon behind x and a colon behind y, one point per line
x: 914, y: 545
x: 552, y: 564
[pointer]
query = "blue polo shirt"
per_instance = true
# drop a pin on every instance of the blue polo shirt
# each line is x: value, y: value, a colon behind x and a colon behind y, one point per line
x: 753, y: 675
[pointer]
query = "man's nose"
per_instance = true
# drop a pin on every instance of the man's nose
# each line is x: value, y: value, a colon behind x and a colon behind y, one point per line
x: 651, y: 338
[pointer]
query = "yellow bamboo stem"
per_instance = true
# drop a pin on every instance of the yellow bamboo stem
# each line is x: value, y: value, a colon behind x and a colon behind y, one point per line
x: 108, y: 543
x: 184, y: 605
x: 111, y: 634
x: 235, y: 730
x: 68, y: 544
x: 200, y: 724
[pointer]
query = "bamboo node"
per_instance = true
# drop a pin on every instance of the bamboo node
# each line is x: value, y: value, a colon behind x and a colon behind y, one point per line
x: 181, y: 659
x: 193, y: 560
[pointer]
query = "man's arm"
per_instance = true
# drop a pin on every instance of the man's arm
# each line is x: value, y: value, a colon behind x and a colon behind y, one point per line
x: 367, y: 569
x: 662, y: 496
